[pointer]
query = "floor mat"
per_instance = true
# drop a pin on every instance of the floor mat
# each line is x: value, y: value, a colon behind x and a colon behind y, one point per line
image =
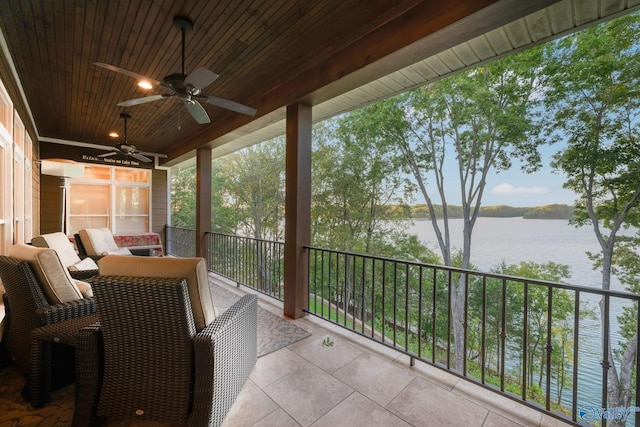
x: 274, y: 332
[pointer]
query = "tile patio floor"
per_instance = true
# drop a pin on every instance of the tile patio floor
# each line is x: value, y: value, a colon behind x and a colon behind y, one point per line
x: 357, y: 382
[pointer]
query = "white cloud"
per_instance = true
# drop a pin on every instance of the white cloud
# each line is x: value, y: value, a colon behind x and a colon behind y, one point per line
x: 509, y: 190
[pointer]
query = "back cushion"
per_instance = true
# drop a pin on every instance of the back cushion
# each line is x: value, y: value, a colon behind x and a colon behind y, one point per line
x: 56, y: 282
x: 61, y: 244
x: 192, y: 269
x: 98, y: 241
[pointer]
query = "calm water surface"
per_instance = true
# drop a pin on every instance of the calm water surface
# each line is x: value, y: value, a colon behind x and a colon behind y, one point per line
x: 516, y: 239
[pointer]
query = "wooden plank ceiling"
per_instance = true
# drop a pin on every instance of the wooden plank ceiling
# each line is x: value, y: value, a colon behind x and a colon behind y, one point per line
x: 268, y: 54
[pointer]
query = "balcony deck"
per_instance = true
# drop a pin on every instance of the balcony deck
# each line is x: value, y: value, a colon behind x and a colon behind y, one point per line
x: 358, y: 382
x: 353, y: 382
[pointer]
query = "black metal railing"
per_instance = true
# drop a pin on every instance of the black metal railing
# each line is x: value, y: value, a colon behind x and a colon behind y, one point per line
x: 255, y: 263
x: 180, y: 242
x: 536, y: 342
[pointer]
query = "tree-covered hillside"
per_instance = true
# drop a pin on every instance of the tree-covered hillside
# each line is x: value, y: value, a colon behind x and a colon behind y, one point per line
x: 554, y: 211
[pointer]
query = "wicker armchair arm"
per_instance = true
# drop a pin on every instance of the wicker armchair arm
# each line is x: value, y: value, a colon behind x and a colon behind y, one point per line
x: 225, y: 354
x: 84, y: 274
x: 140, y: 251
x: 64, y: 311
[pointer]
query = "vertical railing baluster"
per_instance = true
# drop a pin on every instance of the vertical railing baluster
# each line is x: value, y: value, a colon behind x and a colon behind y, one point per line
x: 362, y: 295
x: 605, y: 353
x: 525, y: 340
x: 406, y: 308
x: 420, y: 268
x: 576, y: 341
x: 465, y: 324
x: 450, y: 308
x: 549, y: 346
x: 373, y: 297
x: 322, y: 285
x: 353, y: 294
x: 337, y: 294
x: 384, y: 299
x: 395, y: 303
x: 434, y: 315
x: 329, y: 285
x: 315, y: 279
x: 345, y: 309
x: 637, y: 385
x: 503, y: 332
x: 483, y: 331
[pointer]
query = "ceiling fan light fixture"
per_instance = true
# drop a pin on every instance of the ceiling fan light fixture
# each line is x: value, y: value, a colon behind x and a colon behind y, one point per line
x: 186, y: 87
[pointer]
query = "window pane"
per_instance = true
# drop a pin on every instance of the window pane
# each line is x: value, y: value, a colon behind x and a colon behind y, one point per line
x: 132, y: 224
x: 6, y: 109
x: 89, y: 199
x: 97, y: 172
x: 132, y: 200
x: 80, y: 222
x: 132, y: 175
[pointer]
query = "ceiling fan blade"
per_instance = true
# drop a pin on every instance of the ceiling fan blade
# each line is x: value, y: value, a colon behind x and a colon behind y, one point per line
x: 229, y: 105
x: 197, y: 111
x: 138, y: 101
x: 109, y: 154
x: 200, y: 78
x: 126, y: 72
x: 140, y: 157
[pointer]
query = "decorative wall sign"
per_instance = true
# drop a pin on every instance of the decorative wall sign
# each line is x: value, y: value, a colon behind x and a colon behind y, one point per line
x: 88, y: 155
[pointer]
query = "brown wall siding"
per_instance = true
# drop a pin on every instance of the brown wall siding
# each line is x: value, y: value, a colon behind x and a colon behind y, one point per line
x: 50, y: 204
x: 159, y: 197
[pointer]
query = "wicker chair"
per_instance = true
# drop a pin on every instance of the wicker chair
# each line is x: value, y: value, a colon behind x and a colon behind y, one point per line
x: 157, y: 367
x: 28, y: 309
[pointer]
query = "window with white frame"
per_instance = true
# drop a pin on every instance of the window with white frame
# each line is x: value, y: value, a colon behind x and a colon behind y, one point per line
x: 113, y: 197
x: 6, y: 129
x: 18, y: 180
x: 28, y: 188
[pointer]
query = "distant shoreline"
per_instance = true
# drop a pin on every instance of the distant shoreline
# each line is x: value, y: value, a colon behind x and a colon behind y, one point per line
x: 554, y: 211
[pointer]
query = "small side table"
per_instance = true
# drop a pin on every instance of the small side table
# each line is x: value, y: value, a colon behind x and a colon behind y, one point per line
x: 42, y: 340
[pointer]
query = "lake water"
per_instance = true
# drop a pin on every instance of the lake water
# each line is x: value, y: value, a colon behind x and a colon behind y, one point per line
x: 516, y: 239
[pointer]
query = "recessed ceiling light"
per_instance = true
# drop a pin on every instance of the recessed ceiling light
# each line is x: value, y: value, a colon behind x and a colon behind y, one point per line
x: 113, y: 134
x: 145, y: 84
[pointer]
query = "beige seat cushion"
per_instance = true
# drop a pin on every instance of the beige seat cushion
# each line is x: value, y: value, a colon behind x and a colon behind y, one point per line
x: 98, y: 241
x: 68, y: 257
x: 192, y: 269
x: 61, y: 244
x: 84, y: 265
x: 56, y: 282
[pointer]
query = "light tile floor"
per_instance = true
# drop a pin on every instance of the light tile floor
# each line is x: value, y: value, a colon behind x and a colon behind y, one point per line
x: 358, y: 382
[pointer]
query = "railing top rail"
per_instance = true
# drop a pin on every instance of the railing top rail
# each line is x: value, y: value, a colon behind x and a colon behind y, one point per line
x: 575, y: 288
x: 244, y: 237
x: 180, y: 228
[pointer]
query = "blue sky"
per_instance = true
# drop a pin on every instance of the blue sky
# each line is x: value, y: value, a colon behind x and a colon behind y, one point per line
x: 514, y: 187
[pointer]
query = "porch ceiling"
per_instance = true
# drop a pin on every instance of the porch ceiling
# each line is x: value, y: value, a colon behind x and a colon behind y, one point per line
x: 332, y: 54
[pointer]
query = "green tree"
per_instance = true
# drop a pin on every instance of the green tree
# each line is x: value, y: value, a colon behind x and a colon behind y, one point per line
x: 183, y: 201
x: 254, y: 188
x: 353, y: 187
x: 483, y: 119
x: 593, y: 93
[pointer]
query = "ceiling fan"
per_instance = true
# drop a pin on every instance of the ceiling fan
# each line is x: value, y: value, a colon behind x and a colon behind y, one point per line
x: 186, y: 87
x: 126, y: 148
